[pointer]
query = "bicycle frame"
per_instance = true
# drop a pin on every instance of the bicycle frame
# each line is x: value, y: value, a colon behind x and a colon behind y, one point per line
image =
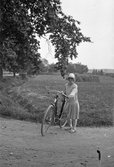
x: 54, y: 104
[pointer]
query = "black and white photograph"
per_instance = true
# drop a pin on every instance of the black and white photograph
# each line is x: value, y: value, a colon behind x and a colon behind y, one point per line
x: 56, y: 83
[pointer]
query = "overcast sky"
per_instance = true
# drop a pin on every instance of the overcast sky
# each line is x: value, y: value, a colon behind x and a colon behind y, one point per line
x: 97, y: 22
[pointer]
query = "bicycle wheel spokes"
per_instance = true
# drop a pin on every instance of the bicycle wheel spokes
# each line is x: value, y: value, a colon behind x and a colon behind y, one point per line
x: 47, y: 120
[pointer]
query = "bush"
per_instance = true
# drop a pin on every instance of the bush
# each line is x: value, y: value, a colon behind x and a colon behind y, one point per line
x: 110, y: 74
x: 11, y: 109
x: 87, y: 78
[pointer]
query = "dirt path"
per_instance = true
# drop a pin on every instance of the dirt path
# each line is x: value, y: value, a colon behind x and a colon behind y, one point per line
x: 21, y: 145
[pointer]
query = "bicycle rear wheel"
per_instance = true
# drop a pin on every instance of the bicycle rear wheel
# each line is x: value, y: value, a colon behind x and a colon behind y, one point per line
x: 63, y: 120
x: 48, y: 120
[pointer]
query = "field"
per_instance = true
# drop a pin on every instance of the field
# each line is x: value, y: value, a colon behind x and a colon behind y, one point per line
x: 21, y: 143
x: 96, y: 99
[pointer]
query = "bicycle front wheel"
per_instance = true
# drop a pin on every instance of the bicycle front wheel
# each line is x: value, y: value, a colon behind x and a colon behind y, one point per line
x: 48, y: 120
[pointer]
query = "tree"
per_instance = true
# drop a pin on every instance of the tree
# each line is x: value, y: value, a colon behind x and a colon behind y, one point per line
x: 21, y: 20
x: 52, y: 68
x: 16, y: 34
x: 101, y: 72
x: 44, y: 65
x: 95, y: 72
x: 45, y: 62
x: 71, y: 68
x: 66, y: 37
x: 80, y: 68
x: 33, y: 65
x: 77, y: 68
x: 12, y: 65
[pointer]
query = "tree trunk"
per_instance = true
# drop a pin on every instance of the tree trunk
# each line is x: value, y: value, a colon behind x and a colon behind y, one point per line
x: 1, y: 72
x: 14, y: 74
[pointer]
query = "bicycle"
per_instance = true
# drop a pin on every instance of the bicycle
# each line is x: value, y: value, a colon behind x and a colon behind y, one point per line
x: 51, y: 115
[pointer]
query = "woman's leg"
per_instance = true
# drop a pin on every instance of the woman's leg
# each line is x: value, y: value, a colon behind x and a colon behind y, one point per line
x: 74, y: 126
x: 71, y: 123
x: 76, y: 117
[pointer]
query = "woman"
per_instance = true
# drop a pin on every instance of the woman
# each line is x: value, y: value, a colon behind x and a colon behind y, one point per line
x: 72, y: 104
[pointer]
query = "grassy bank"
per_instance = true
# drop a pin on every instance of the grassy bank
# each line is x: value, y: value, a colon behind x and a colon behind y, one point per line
x: 28, y: 100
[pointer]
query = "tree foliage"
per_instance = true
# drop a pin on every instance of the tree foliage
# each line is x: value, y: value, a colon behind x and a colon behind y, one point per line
x: 17, y: 36
x: 21, y: 20
x: 52, y: 68
x: 66, y: 37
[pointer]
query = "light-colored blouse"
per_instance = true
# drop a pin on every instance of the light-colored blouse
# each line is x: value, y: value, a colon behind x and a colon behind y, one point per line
x: 72, y: 92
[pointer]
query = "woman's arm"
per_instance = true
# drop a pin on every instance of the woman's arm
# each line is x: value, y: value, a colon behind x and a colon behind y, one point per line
x: 73, y: 93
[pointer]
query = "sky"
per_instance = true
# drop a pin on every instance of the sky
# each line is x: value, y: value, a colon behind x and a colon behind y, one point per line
x: 97, y: 22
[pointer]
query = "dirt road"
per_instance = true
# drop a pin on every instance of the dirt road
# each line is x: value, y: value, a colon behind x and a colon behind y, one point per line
x: 21, y: 145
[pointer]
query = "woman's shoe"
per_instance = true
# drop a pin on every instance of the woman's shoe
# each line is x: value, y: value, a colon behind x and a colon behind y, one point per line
x: 72, y: 130
x: 68, y: 128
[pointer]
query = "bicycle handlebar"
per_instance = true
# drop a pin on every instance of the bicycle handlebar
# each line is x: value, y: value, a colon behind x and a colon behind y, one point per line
x: 58, y: 92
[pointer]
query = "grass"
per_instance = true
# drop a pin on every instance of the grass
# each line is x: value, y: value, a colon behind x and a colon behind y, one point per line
x: 28, y: 100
